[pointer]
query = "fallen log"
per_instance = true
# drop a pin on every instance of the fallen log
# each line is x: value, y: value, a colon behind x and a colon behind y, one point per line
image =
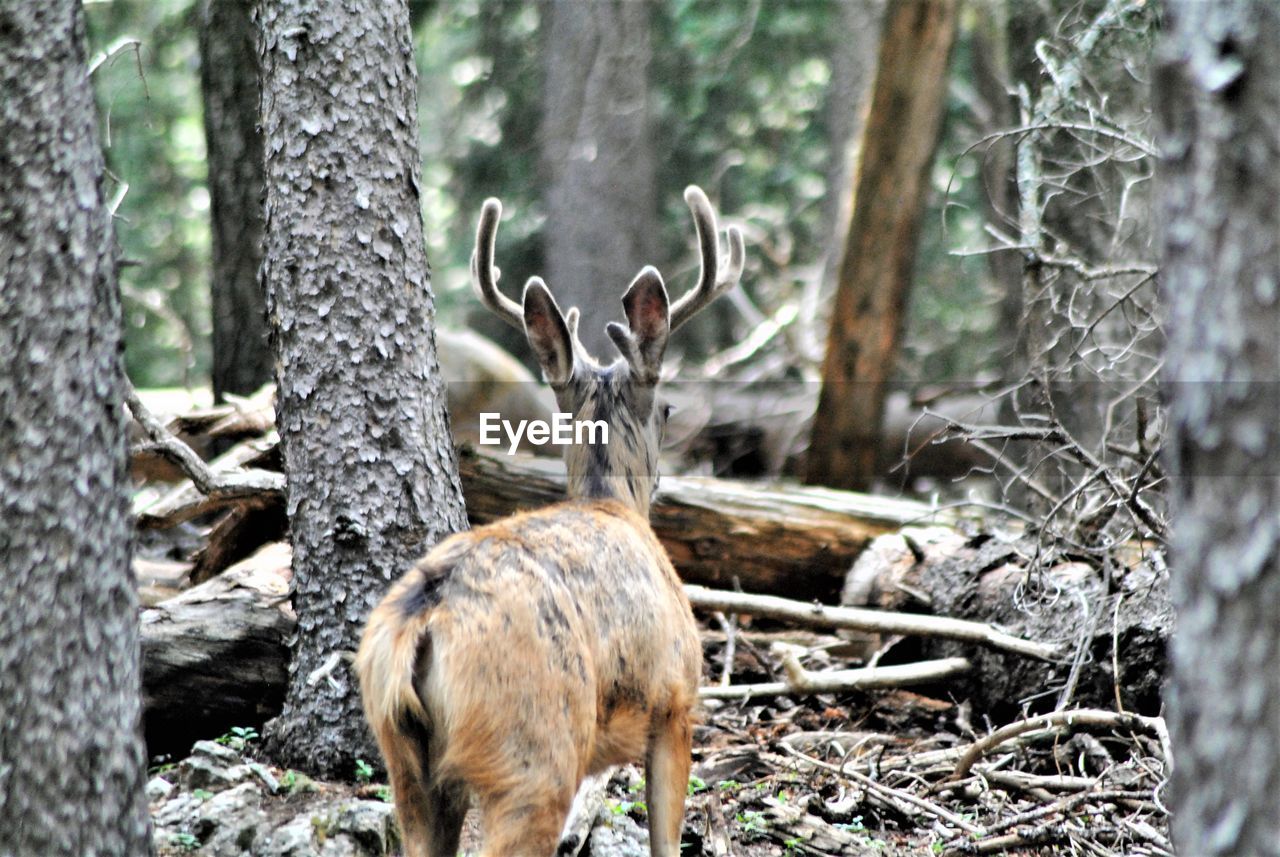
x: 797, y: 540
x: 1111, y: 616
x: 216, y: 656
x: 790, y: 539
x: 801, y: 681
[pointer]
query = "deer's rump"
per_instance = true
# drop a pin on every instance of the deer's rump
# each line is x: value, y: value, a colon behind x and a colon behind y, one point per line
x: 567, y: 624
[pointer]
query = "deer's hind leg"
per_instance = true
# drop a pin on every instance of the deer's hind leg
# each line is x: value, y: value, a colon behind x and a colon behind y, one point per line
x: 667, y: 766
x: 524, y: 825
x: 430, y: 814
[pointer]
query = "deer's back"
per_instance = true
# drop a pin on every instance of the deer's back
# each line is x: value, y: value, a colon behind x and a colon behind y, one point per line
x: 568, y: 621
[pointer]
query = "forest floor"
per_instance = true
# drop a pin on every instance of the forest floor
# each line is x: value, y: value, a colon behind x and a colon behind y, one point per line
x: 847, y: 774
x: 869, y: 772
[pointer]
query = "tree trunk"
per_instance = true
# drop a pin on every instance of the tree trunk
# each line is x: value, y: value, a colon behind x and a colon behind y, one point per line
x: 853, y: 64
x: 71, y: 760
x: 242, y: 358
x: 361, y: 410
x: 597, y: 158
x: 875, y: 273
x: 1218, y: 100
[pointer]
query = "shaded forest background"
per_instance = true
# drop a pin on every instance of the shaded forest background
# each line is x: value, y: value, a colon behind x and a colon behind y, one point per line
x: 756, y: 101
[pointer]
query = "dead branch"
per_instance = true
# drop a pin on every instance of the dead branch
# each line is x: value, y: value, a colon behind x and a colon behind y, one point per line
x: 218, y: 485
x: 869, y: 621
x: 1078, y: 717
x: 896, y: 796
x: 232, y: 484
x: 802, y: 681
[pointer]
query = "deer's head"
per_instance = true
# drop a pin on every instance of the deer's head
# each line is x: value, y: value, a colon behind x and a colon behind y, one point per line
x: 622, y: 392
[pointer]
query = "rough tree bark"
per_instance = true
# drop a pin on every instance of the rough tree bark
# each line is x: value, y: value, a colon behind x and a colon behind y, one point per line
x: 361, y: 411
x: 875, y: 273
x: 1218, y: 101
x: 596, y: 156
x: 71, y: 760
x: 242, y: 357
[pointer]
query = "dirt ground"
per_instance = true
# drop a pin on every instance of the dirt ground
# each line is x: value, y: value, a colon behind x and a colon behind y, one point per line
x: 842, y: 774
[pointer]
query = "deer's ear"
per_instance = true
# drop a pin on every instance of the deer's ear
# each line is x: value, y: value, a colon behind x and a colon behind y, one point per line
x: 648, y: 311
x: 547, y: 332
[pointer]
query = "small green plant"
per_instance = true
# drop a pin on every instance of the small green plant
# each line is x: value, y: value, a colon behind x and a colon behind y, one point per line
x: 792, y: 844
x: 937, y: 847
x: 320, y: 828
x: 383, y: 793
x: 626, y: 807
x: 696, y: 784
x: 201, y: 794
x: 295, y: 782
x: 637, y: 786
x: 728, y: 785
x: 364, y: 771
x: 752, y: 823
x: 238, y: 738
x: 184, y: 841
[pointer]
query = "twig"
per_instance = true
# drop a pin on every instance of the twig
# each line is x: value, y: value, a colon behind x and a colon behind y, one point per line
x: 729, y: 626
x: 1078, y: 717
x: 893, y: 794
x: 1062, y: 804
x: 243, y: 483
x: 862, y: 619
x: 1037, y: 782
x: 800, y: 680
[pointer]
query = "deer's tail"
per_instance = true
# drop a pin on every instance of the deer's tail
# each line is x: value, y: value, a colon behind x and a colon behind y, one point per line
x: 395, y: 639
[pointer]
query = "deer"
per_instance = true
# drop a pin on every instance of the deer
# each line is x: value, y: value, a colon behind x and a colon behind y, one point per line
x: 517, y: 658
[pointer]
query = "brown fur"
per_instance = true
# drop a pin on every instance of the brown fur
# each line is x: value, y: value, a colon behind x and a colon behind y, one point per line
x: 514, y: 660
x: 561, y: 643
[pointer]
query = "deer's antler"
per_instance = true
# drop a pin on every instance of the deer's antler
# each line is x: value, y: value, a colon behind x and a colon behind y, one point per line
x: 484, y: 276
x: 712, y: 281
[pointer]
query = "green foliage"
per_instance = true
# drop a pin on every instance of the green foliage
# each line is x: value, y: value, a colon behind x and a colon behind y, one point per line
x: 364, y: 771
x: 238, y: 738
x: 752, y: 823
x: 742, y: 95
x: 184, y: 841
x: 627, y: 807
x: 697, y: 784
x: 201, y: 794
x: 296, y: 782
x: 738, y: 105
